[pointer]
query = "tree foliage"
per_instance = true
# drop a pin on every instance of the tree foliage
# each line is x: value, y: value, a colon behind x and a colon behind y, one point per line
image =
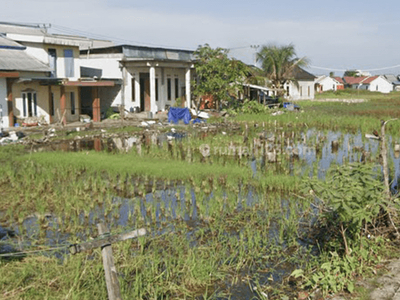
x: 278, y: 64
x: 351, y: 73
x: 217, y: 75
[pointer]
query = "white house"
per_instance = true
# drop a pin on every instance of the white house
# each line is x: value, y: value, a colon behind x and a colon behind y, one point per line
x: 376, y: 83
x: 302, y: 87
x: 152, y: 78
x: 325, y: 83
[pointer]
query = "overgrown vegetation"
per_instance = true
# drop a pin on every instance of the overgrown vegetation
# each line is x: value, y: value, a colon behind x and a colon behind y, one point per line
x: 233, y: 218
x: 353, y: 214
x: 218, y: 76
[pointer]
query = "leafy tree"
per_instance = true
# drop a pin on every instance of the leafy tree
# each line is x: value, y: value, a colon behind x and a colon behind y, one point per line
x: 278, y: 64
x: 218, y: 76
x: 351, y: 73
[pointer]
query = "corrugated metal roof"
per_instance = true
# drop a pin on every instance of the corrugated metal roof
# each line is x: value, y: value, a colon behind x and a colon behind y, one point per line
x: 21, y: 28
x: 391, y: 78
x: 6, y: 43
x: 142, y: 52
x: 19, y: 60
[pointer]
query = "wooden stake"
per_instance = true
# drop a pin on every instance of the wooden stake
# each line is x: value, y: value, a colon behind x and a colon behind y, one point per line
x: 113, y: 289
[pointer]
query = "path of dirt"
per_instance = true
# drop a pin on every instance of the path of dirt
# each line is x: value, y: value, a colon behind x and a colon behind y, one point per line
x: 389, y: 284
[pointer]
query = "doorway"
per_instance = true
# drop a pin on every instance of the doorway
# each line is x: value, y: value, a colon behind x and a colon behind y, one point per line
x: 144, y: 81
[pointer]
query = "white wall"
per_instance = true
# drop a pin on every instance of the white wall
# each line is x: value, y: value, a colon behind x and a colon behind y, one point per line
x: 380, y: 85
x: 328, y: 84
x: 304, y: 90
x: 3, y: 102
x: 108, y: 64
x: 40, y: 51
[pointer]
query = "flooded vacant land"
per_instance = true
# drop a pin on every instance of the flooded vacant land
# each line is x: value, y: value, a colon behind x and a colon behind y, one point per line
x: 226, y: 206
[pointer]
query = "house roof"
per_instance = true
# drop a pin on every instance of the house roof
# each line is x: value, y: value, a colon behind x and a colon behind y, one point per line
x: 354, y: 80
x: 300, y: 74
x: 391, y: 78
x: 7, y: 27
x: 14, y: 58
x: 369, y: 79
x: 142, y: 52
x: 339, y: 79
x: 38, y: 34
x: 6, y: 43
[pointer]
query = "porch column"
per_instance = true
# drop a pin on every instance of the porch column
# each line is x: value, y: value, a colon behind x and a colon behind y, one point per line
x: 153, y: 106
x: 96, y: 104
x: 187, y: 85
x: 10, y: 105
x: 63, y: 106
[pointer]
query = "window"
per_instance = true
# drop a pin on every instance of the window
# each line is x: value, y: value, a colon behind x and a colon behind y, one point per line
x: 376, y: 87
x: 29, y: 104
x: 72, y: 98
x: 69, y: 62
x: 287, y: 91
x: 301, y: 91
x: 309, y: 91
x: 133, y: 90
x: 169, y: 88
x: 51, y: 108
x: 53, y: 62
x: 176, y: 88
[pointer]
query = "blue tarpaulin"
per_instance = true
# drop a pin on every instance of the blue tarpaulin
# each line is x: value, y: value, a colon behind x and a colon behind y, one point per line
x: 176, y: 113
x: 199, y: 121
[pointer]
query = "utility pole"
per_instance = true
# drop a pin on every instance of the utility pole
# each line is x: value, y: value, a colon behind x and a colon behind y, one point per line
x: 255, y: 47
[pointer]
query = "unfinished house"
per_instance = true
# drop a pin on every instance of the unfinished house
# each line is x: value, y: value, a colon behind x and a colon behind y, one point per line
x: 54, y: 96
x: 152, y: 79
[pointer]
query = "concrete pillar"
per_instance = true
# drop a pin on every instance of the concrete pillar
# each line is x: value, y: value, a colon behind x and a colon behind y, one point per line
x: 96, y: 104
x: 137, y: 90
x: 124, y: 85
x: 187, y: 88
x: 63, y: 106
x: 153, y: 105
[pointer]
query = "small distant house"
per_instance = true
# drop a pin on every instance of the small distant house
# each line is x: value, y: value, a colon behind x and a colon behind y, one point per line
x: 302, y: 87
x: 326, y: 83
x: 376, y: 83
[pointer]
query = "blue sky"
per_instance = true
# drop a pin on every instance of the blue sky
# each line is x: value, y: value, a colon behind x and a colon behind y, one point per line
x: 336, y: 35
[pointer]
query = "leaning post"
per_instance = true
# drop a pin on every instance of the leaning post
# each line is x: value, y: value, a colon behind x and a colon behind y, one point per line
x: 113, y: 289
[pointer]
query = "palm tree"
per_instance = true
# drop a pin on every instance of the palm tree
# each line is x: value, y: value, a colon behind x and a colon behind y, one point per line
x: 278, y: 64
